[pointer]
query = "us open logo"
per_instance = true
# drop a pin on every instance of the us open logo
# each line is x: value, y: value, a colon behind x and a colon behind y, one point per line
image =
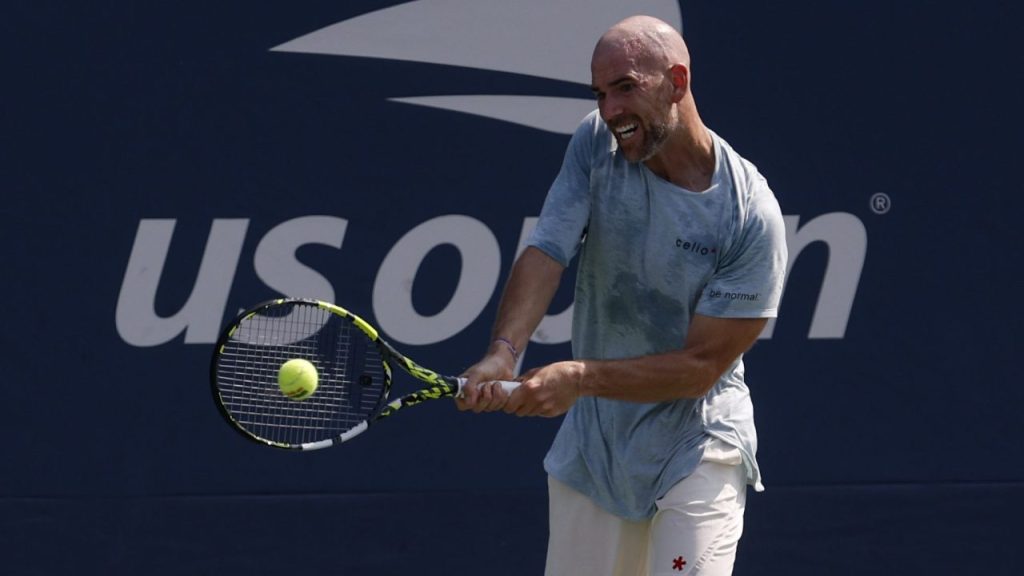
x: 490, y: 37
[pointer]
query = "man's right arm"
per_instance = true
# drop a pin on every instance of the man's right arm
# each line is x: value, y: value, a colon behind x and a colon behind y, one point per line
x: 528, y: 293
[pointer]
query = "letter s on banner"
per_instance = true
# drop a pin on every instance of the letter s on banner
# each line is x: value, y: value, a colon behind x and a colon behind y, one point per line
x: 392, y: 290
x: 277, y: 266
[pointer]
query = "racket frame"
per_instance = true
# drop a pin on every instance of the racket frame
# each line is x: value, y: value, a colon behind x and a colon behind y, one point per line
x: 438, y: 385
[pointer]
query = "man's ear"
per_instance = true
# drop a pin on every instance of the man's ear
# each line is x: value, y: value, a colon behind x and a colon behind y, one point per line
x: 680, y: 76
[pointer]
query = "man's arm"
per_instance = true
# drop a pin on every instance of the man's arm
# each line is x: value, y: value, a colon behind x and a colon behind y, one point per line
x: 711, y: 346
x: 528, y: 293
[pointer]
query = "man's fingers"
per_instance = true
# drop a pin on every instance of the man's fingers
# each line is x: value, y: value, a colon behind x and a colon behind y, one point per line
x: 467, y: 397
x: 517, y: 401
x: 482, y: 397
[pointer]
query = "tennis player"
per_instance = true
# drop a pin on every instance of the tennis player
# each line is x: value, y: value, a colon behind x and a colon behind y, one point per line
x: 681, y: 248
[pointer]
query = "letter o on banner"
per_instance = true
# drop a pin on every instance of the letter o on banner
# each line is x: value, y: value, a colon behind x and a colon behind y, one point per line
x: 392, y: 290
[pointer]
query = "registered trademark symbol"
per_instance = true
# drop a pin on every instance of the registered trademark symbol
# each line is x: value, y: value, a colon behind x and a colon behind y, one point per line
x: 880, y: 203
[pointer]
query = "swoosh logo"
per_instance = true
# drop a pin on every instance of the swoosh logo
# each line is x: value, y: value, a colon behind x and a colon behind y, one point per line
x: 550, y: 39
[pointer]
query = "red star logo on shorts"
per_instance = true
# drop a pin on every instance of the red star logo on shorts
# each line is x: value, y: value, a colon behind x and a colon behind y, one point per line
x: 678, y: 564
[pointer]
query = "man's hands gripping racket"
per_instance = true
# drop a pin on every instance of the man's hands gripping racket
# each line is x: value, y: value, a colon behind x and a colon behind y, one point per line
x: 350, y: 385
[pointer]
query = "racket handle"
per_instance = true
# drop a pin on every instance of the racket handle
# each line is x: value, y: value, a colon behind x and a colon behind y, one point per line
x: 507, y: 385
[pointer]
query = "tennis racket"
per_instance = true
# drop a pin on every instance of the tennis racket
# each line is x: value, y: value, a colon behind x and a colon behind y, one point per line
x: 353, y: 363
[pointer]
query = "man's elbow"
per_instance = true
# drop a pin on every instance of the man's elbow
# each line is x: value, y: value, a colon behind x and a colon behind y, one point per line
x: 702, y: 378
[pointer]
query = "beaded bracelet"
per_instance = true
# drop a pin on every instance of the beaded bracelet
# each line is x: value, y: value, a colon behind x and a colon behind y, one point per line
x: 511, y: 347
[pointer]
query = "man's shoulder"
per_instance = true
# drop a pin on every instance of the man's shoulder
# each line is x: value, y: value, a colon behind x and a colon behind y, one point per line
x: 740, y: 166
x: 593, y: 135
x: 747, y: 181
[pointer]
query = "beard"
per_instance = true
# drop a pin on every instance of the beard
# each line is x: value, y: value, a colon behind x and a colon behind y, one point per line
x: 655, y: 135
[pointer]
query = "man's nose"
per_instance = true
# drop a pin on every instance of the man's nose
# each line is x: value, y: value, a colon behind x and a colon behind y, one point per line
x: 609, y: 108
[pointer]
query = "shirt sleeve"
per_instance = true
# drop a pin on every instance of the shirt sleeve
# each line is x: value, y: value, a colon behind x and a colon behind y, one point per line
x: 566, y: 212
x: 749, y: 280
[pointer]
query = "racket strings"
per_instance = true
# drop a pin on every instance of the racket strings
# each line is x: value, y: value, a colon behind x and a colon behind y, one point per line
x: 351, y: 374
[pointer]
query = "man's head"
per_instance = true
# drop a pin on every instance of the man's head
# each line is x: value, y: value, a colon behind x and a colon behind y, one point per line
x: 641, y: 76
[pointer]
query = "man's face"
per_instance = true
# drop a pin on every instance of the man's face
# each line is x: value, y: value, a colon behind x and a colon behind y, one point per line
x: 633, y: 100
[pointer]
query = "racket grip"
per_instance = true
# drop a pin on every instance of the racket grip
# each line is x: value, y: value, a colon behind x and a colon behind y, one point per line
x: 507, y: 385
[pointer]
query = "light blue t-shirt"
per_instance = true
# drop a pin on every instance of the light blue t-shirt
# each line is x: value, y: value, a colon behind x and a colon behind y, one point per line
x: 652, y: 255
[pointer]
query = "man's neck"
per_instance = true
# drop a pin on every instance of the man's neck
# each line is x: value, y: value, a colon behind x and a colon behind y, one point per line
x: 687, y: 159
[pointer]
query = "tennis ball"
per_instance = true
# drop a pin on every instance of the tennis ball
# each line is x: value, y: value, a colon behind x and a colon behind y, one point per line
x: 297, y: 379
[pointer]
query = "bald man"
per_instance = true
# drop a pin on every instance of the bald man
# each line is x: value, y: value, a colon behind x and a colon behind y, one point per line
x: 682, y: 253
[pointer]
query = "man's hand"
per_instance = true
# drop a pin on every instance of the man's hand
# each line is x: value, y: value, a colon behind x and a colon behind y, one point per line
x: 547, y: 391
x: 480, y: 394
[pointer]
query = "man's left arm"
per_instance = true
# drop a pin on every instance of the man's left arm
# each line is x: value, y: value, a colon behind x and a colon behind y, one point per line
x: 712, y: 345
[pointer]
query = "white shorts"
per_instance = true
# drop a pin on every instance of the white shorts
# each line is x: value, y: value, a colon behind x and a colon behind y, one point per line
x: 695, y: 530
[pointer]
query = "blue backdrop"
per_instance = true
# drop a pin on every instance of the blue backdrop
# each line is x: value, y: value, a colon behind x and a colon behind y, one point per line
x: 165, y: 165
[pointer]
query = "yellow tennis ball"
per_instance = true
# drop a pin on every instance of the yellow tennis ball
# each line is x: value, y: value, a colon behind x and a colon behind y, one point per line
x: 297, y: 379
